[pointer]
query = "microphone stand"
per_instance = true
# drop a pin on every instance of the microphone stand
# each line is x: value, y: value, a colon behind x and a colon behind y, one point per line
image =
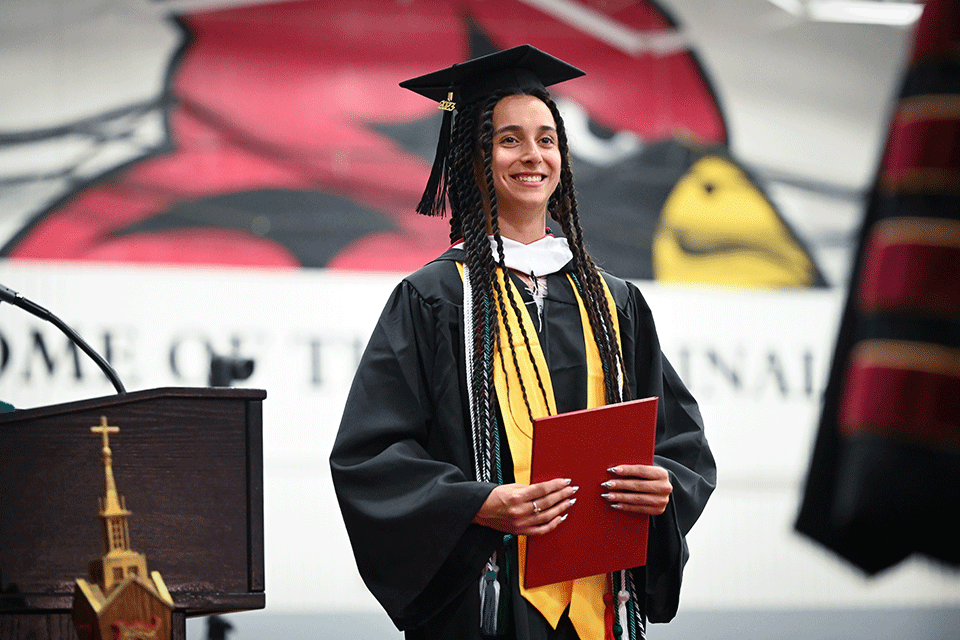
x: 12, y: 297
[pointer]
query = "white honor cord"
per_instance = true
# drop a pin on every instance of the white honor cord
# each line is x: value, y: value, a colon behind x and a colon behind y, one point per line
x: 637, y: 613
x: 622, y: 599
x: 479, y: 467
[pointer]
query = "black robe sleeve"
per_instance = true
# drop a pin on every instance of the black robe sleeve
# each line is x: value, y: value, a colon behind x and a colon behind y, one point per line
x: 401, y: 464
x: 681, y: 448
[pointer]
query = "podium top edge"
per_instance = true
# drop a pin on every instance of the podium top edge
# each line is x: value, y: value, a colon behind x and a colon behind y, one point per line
x: 195, y: 393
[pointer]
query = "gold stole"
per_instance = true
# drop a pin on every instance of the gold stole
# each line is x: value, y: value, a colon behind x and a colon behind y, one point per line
x: 585, y: 595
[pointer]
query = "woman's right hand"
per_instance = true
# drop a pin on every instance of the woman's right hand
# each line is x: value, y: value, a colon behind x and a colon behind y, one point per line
x: 529, y: 510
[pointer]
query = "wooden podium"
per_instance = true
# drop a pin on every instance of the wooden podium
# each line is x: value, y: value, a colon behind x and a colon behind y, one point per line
x: 190, y: 464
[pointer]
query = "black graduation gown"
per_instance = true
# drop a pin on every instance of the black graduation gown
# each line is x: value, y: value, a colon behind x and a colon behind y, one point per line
x: 402, y: 462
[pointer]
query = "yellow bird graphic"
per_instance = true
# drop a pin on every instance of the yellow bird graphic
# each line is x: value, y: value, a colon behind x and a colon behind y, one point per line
x: 716, y: 227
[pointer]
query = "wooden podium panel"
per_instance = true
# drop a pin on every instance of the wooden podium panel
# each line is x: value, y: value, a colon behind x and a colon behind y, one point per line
x: 189, y: 463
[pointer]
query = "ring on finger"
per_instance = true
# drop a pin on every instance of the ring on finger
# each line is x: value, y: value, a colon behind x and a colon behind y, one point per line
x: 536, y: 509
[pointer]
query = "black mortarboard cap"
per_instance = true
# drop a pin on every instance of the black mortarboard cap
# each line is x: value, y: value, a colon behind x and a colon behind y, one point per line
x: 524, y: 67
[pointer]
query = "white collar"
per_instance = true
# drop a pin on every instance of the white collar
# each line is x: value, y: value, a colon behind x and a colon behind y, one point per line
x: 540, y: 258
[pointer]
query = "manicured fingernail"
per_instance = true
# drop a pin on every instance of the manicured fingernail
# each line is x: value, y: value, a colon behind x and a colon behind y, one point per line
x: 616, y: 506
x: 567, y: 481
x: 564, y: 517
x: 575, y: 489
x: 606, y: 496
x: 573, y: 501
x: 607, y: 484
x: 614, y: 469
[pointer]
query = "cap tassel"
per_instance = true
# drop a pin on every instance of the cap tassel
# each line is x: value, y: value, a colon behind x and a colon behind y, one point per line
x: 433, y: 202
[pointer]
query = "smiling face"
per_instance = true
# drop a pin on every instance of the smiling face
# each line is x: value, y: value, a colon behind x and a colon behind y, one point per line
x: 525, y: 163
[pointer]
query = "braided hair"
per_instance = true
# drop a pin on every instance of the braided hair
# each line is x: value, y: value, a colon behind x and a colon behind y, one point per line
x: 473, y: 202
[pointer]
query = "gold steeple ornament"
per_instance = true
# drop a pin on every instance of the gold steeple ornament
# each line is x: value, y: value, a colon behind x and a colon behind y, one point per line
x: 118, y: 560
x: 121, y: 600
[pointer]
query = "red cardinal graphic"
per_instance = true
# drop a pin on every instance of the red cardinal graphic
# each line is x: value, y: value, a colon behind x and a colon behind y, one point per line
x: 291, y: 145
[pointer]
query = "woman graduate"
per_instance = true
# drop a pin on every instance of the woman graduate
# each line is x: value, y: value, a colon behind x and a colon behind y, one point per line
x: 431, y: 463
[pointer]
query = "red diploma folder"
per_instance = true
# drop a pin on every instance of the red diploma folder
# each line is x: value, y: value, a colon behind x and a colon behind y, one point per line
x: 582, y: 445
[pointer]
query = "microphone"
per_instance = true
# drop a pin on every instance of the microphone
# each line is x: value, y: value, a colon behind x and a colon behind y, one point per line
x: 225, y: 370
x: 9, y: 295
x: 12, y: 297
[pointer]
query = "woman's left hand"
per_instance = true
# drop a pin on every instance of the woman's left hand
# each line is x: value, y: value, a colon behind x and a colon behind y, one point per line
x: 638, y: 488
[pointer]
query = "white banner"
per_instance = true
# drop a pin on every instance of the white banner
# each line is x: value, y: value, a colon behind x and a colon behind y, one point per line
x: 756, y: 361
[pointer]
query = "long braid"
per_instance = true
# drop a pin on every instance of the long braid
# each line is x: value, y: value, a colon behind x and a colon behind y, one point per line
x: 467, y: 222
x: 563, y: 208
x: 523, y: 329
